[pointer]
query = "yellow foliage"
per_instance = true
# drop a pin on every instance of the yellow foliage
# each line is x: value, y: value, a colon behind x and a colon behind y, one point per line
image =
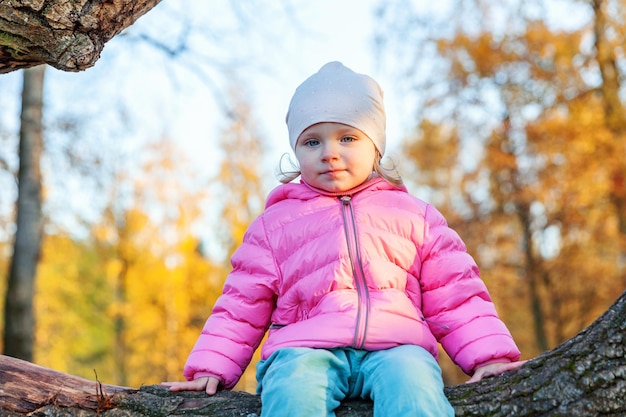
x: 78, y: 300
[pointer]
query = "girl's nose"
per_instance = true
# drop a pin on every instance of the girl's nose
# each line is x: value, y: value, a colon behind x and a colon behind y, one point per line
x: 330, y: 151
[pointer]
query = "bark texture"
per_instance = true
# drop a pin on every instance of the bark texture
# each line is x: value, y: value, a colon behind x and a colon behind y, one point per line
x: 19, y: 318
x: 68, y: 35
x: 586, y: 376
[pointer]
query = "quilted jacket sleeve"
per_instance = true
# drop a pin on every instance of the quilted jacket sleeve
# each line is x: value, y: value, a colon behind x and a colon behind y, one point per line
x: 241, y: 314
x: 456, y: 303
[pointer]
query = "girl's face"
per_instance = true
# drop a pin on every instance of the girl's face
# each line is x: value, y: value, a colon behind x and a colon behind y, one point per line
x: 335, y: 157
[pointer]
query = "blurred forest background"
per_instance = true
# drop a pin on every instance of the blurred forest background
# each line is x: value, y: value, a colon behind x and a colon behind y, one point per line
x: 517, y: 134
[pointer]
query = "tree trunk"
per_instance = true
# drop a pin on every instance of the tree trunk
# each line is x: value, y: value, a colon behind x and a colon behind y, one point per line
x: 18, y: 311
x: 586, y: 376
x: 68, y: 35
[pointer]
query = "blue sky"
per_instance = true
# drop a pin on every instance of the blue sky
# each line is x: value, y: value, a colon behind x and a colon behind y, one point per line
x: 316, y: 33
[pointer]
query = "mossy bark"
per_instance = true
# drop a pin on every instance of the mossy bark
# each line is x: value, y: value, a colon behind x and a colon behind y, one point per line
x: 68, y: 35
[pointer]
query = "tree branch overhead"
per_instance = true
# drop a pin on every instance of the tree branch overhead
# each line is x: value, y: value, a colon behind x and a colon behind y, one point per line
x: 68, y: 35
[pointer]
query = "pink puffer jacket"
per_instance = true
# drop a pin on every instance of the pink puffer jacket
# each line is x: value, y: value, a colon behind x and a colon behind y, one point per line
x: 373, y: 270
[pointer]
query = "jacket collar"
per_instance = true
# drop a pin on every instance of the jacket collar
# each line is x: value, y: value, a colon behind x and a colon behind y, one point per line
x: 351, y: 192
x: 304, y: 191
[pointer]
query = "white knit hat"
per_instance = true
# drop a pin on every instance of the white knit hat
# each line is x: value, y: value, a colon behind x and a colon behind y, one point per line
x: 337, y: 94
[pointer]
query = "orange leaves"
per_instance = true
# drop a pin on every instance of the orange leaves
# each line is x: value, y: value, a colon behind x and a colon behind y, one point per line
x: 542, y: 205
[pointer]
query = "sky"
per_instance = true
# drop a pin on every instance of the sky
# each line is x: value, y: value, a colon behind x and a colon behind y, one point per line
x: 315, y: 33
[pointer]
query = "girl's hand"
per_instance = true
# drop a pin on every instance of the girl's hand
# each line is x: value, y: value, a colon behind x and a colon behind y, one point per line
x: 208, y: 384
x: 494, y: 369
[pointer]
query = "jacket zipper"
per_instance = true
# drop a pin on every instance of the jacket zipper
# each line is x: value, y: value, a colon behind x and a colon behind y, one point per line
x: 360, y: 282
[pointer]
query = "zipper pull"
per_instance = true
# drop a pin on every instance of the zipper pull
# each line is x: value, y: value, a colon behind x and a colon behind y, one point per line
x: 443, y: 326
x: 345, y: 199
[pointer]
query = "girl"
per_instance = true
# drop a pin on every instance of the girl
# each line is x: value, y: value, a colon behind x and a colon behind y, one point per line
x: 356, y: 280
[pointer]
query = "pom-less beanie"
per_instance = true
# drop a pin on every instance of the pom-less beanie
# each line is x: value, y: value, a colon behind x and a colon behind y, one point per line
x: 337, y: 94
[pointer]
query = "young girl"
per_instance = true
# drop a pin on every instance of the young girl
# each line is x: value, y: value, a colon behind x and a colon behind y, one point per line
x: 356, y: 280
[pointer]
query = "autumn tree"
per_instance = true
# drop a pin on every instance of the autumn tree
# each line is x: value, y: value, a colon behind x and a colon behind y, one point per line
x: 518, y: 140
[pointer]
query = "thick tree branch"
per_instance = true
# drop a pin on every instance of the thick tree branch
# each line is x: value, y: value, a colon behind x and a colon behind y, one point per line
x: 68, y: 35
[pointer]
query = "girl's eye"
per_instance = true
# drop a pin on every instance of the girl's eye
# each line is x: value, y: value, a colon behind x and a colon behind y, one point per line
x: 311, y: 142
x: 348, y: 139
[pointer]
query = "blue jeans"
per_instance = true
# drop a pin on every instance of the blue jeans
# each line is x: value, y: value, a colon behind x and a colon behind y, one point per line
x: 402, y: 381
